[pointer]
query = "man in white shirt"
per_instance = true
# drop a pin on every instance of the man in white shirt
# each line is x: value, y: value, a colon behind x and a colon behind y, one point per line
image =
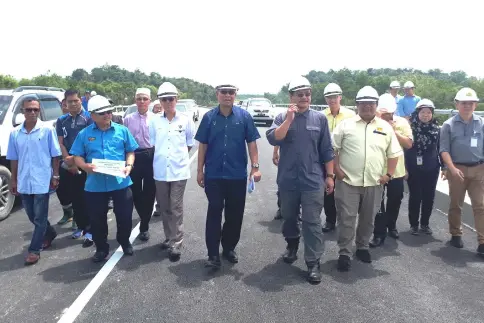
x: 172, y: 134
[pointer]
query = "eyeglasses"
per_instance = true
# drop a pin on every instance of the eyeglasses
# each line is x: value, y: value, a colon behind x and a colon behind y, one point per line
x: 224, y: 92
x: 30, y: 110
x: 104, y: 113
x: 142, y: 98
x: 171, y: 99
x: 302, y: 94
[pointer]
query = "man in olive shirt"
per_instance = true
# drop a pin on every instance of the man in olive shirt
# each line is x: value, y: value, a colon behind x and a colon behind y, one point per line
x: 461, y: 148
x: 364, y: 145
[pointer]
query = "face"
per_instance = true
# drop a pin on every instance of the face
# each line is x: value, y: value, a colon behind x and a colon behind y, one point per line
x: 74, y: 103
x: 157, y: 108
x: 366, y: 110
x: 387, y: 116
x: 302, y: 98
x: 168, y: 104
x: 409, y: 91
x: 425, y: 115
x: 333, y: 101
x: 31, y: 111
x: 87, y: 95
x: 64, y: 107
x: 226, y: 97
x: 394, y: 91
x: 103, y: 118
x: 142, y: 102
x: 466, y: 107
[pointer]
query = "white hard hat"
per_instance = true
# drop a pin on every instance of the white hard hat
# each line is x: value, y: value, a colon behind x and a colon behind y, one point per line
x: 299, y: 83
x: 93, y: 93
x: 332, y: 89
x: 166, y: 90
x: 387, y: 104
x: 156, y: 102
x: 143, y: 91
x: 98, y: 104
x: 367, y: 94
x: 395, y: 85
x: 425, y: 103
x: 408, y: 85
x: 226, y: 86
x: 466, y: 94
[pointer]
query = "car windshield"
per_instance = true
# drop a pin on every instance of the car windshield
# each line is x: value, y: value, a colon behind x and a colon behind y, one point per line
x: 261, y: 103
x: 4, y: 104
x: 181, y: 107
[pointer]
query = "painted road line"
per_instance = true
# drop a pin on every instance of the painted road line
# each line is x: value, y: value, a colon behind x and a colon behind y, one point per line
x: 81, y: 301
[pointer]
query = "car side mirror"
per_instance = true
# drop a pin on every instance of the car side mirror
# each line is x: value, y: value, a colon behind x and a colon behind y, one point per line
x: 19, y: 118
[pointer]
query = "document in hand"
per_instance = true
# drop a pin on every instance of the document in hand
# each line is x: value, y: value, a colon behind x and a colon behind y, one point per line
x: 110, y: 167
x: 251, y: 185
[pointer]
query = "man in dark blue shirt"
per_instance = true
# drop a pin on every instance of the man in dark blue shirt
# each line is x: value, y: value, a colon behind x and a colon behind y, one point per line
x: 222, y: 171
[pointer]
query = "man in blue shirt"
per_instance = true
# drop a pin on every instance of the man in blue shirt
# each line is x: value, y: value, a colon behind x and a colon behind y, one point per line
x: 106, y: 140
x: 73, y: 179
x: 222, y: 171
x: 34, y: 154
x: 407, y: 104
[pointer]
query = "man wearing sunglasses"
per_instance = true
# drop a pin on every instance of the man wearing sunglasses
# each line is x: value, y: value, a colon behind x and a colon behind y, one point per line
x: 223, y: 135
x: 142, y: 175
x: 304, y: 173
x: 106, y: 140
x: 34, y: 153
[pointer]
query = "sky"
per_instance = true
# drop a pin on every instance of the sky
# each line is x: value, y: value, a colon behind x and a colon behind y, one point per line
x: 258, y: 45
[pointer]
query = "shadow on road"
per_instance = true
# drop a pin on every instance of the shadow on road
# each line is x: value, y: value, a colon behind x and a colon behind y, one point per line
x: 358, y: 272
x: 456, y: 257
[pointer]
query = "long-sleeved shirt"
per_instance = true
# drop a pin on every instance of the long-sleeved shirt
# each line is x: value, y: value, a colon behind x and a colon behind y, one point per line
x: 138, y: 126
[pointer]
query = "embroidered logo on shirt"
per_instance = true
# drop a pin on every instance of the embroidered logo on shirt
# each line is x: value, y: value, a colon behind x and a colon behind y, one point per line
x: 91, y: 138
x: 379, y: 131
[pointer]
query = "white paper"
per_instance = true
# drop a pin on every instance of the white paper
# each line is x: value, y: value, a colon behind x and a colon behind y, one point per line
x: 419, y: 160
x: 110, y: 167
x: 474, y: 142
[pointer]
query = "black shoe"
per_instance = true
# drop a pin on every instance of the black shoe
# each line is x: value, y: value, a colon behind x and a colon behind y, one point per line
x: 165, y: 244
x: 328, y: 227
x: 290, y: 255
x: 363, y: 255
x: 344, y: 263
x: 393, y: 233
x: 278, y: 215
x: 128, y: 250
x: 376, y: 242
x: 456, y: 241
x: 314, y: 273
x: 99, y: 256
x: 231, y: 256
x: 425, y: 229
x: 414, y: 231
x: 144, y: 236
x: 480, y: 250
x: 174, y: 254
x: 213, y: 262
x: 156, y: 213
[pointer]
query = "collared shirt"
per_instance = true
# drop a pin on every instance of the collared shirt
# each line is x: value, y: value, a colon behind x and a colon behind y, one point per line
x: 171, y: 138
x: 402, y: 127
x: 456, y: 137
x: 406, y: 105
x: 226, y: 138
x: 138, y: 126
x: 69, y: 127
x: 333, y: 121
x: 34, y: 152
x: 112, y: 144
x: 364, y: 148
x: 303, y: 152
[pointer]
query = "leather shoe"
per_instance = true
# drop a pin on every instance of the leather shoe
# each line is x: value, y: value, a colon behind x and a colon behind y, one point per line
x: 213, y: 262
x: 344, y: 263
x: 144, y: 236
x: 363, y: 255
x: 328, y: 227
x: 376, y: 242
x: 174, y: 254
x: 231, y: 256
x: 99, y: 256
x: 290, y: 255
x: 128, y: 250
x: 456, y: 241
x: 393, y: 233
x: 314, y: 273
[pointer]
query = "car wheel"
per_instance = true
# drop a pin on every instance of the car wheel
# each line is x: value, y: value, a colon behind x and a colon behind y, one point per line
x: 7, y: 199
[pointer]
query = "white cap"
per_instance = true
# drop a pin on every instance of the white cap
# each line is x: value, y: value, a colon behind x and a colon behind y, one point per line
x: 367, y: 94
x: 425, y: 103
x: 226, y: 86
x: 395, y: 85
x: 299, y: 83
x: 93, y: 93
x: 466, y: 94
x: 98, y: 104
x: 156, y: 102
x: 386, y: 104
x: 332, y: 89
x: 144, y: 91
x: 408, y: 85
x: 167, y: 89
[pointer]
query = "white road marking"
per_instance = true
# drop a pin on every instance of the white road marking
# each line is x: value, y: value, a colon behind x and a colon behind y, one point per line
x: 81, y: 301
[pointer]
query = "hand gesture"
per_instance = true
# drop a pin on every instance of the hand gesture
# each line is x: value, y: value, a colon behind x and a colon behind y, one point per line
x: 291, y: 112
x: 200, y: 179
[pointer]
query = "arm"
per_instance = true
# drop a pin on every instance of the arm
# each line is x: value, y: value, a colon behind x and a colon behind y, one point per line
x: 271, y: 133
x: 13, y: 179
x: 405, y: 139
x: 12, y: 155
x: 393, y: 152
x: 337, y: 139
x: 55, y: 153
x: 130, y: 146
x: 275, y: 155
x: 444, y: 146
x: 190, y: 134
x: 202, y: 137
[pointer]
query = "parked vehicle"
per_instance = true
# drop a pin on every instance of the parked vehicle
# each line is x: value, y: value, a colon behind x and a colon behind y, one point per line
x: 261, y: 110
x: 192, y: 108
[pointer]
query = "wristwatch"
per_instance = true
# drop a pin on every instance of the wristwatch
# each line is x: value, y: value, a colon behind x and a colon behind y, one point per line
x: 255, y: 165
x: 56, y: 177
x: 333, y: 176
x: 131, y: 165
x: 389, y: 175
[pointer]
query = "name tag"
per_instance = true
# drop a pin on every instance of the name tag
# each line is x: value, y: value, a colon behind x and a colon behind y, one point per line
x: 419, y: 160
x: 473, y: 142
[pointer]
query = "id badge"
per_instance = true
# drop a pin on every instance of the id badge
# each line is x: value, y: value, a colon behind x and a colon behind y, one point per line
x: 419, y: 160
x: 474, y: 142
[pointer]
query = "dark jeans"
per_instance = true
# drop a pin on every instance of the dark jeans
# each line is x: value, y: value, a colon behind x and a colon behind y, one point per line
x: 37, y: 208
x: 73, y: 185
x: 329, y: 208
x: 143, y: 188
x: 63, y: 191
x: 229, y: 195
x: 421, y: 185
x: 387, y: 218
x: 98, y: 210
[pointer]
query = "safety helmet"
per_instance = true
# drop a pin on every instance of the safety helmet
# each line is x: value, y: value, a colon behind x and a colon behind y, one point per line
x: 466, y: 94
x: 226, y: 86
x: 425, y: 103
x: 332, y: 89
x: 367, y: 94
x: 98, y: 104
x: 395, y: 85
x: 408, y: 85
x: 386, y: 104
x: 299, y: 83
x: 93, y: 93
x: 166, y: 90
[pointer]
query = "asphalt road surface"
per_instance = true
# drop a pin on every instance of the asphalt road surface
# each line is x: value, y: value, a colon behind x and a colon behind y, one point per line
x: 414, y: 279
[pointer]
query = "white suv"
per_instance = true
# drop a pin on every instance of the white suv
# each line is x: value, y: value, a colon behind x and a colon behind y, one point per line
x: 261, y: 110
x: 10, y: 116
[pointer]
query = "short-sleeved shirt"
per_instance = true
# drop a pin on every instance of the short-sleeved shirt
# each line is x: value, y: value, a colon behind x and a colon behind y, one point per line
x: 303, y: 152
x: 68, y: 126
x: 402, y: 127
x: 138, y: 126
x: 171, y: 140
x: 111, y: 144
x: 226, y: 138
x: 333, y: 121
x: 406, y: 105
x: 34, y: 152
x: 456, y: 137
x: 363, y: 149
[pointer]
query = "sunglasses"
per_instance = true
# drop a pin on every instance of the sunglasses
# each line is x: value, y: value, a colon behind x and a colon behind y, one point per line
x: 104, y: 113
x: 30, y: 110
x: 305, y: 94
x: 224, y: 92
x: 171, y: 99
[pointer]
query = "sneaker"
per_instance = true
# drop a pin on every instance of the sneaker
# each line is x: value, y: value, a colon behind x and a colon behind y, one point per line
x: 66, y: 218
x: 425, y: 229
x: 77, y: 234
x: 87, y: 240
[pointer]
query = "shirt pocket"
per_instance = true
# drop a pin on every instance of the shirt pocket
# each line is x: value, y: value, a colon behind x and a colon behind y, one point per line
x: 314, y: 132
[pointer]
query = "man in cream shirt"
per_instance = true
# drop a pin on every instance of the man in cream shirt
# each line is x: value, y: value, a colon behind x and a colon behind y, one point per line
x: 363, y: 146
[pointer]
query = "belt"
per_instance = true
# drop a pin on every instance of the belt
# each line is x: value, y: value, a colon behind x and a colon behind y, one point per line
x: 471, y: 164
x: 144, y: 150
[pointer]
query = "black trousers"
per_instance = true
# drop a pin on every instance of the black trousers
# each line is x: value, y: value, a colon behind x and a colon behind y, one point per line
x: 143, y: 188
x: 386, y: 220
x: 229, y: 196
x: 421, y: 185
x: 330, y: 207
x: 63, y: 191
x: 73, y: 190
x: 98, y: 210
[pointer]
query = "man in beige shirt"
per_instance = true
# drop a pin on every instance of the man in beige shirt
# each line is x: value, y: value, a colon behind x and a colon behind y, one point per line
x: 364, y: 145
